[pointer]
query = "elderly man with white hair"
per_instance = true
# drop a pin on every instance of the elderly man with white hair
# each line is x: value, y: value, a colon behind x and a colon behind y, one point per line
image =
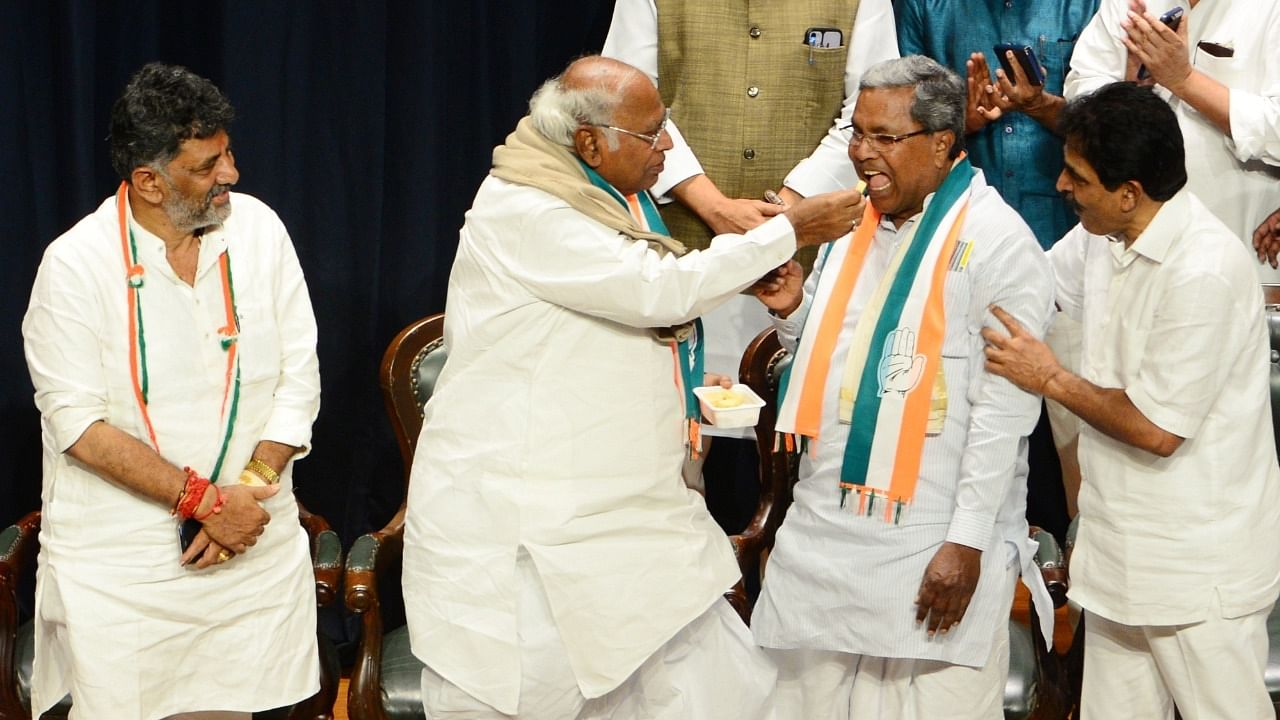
x: 556, y: 566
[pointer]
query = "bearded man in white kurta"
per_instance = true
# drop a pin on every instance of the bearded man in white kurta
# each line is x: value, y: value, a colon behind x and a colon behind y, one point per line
x: 171, y: 343
x: 555, y: 564
x: 887, y: 594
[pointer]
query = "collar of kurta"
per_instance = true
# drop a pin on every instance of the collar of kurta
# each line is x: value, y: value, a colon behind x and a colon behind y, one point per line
x: 1157, y: 237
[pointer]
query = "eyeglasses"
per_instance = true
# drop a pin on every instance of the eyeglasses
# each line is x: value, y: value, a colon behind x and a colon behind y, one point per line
x: 879, y: 142
x: 651, y: 139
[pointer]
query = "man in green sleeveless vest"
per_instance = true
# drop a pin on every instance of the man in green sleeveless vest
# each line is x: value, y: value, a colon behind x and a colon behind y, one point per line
x: 759, y: 92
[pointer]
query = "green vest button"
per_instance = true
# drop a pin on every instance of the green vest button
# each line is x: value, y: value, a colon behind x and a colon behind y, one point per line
x: 749, y: 153
x: 754, y: 33
x: 753, y: 91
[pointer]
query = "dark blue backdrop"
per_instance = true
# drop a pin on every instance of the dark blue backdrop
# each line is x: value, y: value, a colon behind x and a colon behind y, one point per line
x: 366, y: 125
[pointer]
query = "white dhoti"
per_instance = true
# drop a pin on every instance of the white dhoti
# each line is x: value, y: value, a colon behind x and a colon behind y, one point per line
x: 826, y: 685
x: 710, y: 670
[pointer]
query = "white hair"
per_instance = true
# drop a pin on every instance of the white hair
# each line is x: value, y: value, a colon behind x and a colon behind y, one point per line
x: 557, y: 111
x: 940, y: 94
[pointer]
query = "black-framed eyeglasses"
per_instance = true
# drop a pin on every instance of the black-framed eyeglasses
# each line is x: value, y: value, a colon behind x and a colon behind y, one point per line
x: 651, y: 139
x: 879, y: 142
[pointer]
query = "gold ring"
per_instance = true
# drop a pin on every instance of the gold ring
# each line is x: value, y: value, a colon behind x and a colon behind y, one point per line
x: 224, y: 556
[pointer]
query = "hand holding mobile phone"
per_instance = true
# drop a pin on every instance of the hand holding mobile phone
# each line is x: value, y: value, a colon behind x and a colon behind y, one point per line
x: 187, y: 533
x: 1171, y: 19
x: 1025, y: 57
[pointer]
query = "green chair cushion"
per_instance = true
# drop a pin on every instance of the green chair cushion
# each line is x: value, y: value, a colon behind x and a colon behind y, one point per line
x: 401, y: 678
x: 1021, y: 685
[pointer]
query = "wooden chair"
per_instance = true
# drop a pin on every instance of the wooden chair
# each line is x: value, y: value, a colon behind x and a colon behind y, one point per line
x: 762, y: 366
x: 386, y: 679
x: 19, y: 544
x: 1036, y: 688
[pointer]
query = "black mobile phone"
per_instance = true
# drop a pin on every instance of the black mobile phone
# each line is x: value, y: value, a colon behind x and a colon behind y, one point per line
x: 1172, y: 19
x: 1026, y: 58
x: 187, y: 532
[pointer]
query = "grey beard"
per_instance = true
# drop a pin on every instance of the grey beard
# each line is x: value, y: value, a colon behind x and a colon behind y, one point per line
x: 189, y: 217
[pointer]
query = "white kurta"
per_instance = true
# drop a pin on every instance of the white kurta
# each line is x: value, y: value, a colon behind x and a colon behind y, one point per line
x: 118, y: 622
x: 1237, y: 177
x: 842, y: 582
x: 556, y: 426
x: 633, y: 38
x: 1176, y: 321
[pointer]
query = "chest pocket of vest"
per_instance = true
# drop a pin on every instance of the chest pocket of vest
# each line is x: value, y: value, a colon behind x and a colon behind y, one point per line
x: 821, y: 80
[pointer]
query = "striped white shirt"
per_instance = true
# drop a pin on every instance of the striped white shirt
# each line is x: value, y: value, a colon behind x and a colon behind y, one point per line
x: 837, y: 581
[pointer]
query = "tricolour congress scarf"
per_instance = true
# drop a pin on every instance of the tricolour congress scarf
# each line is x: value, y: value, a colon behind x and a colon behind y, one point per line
x: 529, y: 158
x: 890, y: 387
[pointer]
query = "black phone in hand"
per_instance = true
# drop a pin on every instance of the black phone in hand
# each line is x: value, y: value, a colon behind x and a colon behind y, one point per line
x: 187, y: 532
x: 1172, y: 19
x: 1026, y: 57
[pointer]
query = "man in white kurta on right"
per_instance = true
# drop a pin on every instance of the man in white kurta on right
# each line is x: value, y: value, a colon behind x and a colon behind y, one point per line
x: 1220, y: 72
x: 887, y: 594
x: 1177, y: 561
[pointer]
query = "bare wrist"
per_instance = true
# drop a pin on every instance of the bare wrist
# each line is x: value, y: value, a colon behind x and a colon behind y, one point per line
x: 785, y: 313
x: 1179, y: 86
x: 1052, y: 383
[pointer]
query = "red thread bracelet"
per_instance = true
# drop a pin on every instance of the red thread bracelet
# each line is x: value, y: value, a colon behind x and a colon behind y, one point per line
x: 192, y: 494
x: 218, y: 502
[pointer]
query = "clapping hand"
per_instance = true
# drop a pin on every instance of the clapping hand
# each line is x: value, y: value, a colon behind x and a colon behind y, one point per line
x: 1152, y: 44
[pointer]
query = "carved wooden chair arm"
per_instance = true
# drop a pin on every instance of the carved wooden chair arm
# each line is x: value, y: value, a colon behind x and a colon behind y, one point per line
x: 18, y: 544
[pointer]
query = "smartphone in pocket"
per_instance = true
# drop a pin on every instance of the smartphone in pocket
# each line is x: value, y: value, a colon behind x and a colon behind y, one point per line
x: 1026, y: 57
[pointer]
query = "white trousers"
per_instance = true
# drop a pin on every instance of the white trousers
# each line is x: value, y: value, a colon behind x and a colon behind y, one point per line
x: 1211, y: 670
x: 826, y: 685
x: 710, y: 670
x: 216, y: 715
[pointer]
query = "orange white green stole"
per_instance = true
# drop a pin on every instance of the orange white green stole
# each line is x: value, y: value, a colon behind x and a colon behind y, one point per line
x: 688, y: 349
x: 891, y: 382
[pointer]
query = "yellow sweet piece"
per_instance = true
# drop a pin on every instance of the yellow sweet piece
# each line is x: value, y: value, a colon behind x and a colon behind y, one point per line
x: 723, y: 398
